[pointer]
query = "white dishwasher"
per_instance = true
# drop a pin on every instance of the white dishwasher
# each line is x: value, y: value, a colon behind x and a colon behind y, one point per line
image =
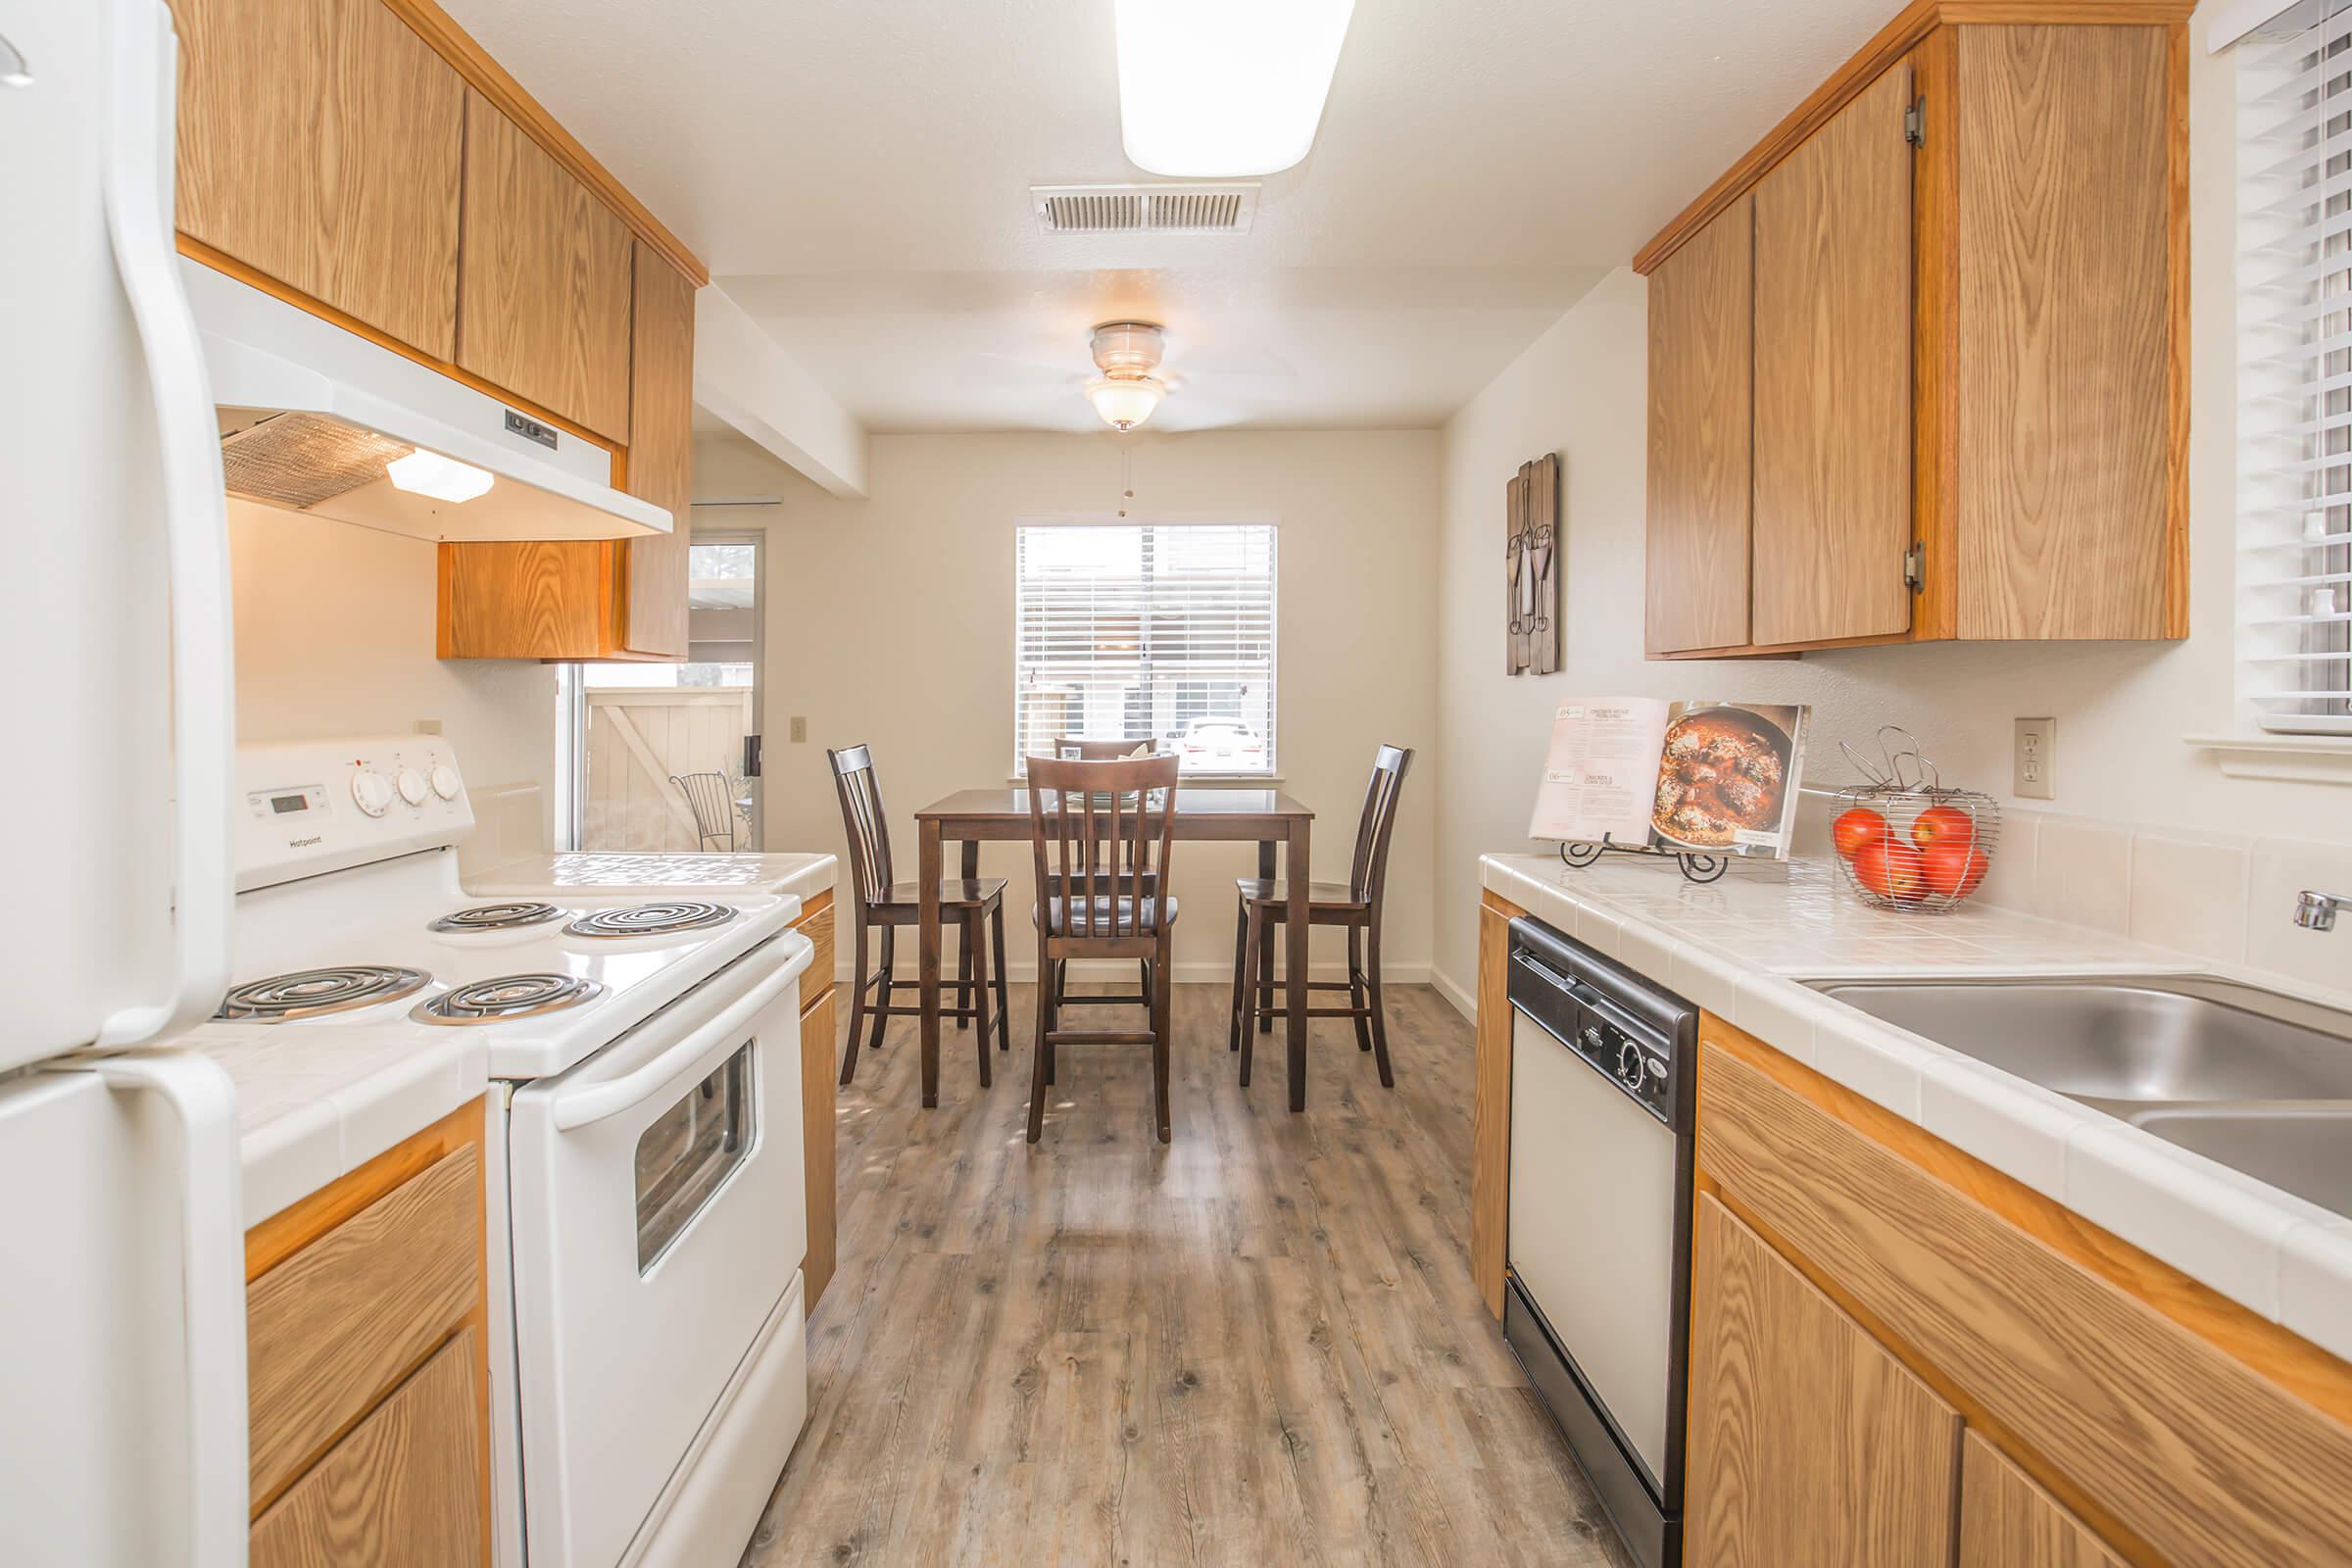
x: 1598, y: 1250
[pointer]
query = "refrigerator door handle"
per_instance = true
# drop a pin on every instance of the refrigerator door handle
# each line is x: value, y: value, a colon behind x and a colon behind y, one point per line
x: 138, y: 216
x: 213, y: 1272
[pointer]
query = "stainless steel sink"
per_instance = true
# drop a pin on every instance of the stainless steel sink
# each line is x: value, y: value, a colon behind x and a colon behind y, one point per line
x: 2257, y: 1079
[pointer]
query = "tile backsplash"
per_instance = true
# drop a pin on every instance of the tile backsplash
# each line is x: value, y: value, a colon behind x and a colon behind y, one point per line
x: 2227, y: 897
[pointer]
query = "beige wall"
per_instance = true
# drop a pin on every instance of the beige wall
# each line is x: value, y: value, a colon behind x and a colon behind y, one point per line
x: 2121, y: 707
x: 334, y: 628
x: 890, y: 622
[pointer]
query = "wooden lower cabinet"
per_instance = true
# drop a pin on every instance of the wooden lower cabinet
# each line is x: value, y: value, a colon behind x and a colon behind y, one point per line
x: 817, y: 1097
x: 367, y: 1382
x: 1490, y: 1102
x: 399, y: 1490
x: 2008, y: 1520
x: 1817, y: 1446
x: 1901, y: 1355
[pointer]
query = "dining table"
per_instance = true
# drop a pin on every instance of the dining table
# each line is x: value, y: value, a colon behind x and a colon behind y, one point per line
x: 1268, y: 818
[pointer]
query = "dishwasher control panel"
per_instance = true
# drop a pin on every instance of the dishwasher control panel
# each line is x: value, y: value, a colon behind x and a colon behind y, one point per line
x: 1625, y: 1026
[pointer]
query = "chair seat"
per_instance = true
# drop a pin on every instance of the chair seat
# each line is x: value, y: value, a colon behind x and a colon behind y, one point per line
x: 954, y: 892
x: 1127, y: 918
x: 1331, y: 895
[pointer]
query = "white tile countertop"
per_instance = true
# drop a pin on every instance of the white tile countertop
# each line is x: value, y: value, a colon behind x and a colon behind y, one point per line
x: 801, y: 873
x: 1739, y: 945
x: 313, y: 1104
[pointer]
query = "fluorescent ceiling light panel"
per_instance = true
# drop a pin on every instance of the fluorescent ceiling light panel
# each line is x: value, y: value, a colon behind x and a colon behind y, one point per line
x: 429, y: 474
x: 1212, y: 89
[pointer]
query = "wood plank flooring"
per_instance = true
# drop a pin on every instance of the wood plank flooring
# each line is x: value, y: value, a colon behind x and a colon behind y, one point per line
x: 1257, y: 1344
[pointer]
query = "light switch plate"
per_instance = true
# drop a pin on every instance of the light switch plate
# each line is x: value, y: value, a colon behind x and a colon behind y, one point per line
x: 800, y: 729
x: 2033, y: 760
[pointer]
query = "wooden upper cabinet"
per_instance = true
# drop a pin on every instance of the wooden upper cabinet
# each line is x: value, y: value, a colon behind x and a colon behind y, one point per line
x: 1833, y: 380
x: 1808, y: 1442
x: 320, y: 145
x: 2066, y: 442
x: 1969, y: 411
x: 2007, y: 1520
x: 544, y: 278
x: 1702, y: 360
x: 661, y: 455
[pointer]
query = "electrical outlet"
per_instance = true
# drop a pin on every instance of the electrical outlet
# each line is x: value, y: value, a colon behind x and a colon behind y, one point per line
x: 429, y: 726
x: 2035, y: 763
x: 800, y: 729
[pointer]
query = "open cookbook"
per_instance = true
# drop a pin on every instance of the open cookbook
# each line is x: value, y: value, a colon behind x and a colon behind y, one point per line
x: 1715, y: 778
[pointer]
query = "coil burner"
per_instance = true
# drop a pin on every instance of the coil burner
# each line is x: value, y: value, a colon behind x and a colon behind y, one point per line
x: 661, y: 920
x: 511, y: 996
x: 310, y: 993
x: 497, y: 917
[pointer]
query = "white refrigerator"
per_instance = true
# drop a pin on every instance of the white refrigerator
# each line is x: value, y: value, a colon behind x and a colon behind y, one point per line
x: 121, y: 1304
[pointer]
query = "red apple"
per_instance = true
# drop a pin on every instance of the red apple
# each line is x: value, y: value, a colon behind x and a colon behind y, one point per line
x: 1953, y: 869
x: 1891, y: 869
x: 1943, y: 824
x: 1855, y: 827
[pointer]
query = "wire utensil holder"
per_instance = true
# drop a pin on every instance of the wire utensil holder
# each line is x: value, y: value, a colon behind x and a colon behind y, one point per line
x: 1900, y: 870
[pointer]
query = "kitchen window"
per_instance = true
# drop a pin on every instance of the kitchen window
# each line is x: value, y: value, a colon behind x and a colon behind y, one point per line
x: 1158, y: 632
x: 2294, y: 571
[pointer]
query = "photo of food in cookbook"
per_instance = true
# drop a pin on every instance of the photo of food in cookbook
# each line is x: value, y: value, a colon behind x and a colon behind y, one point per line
x: 1710, y: 777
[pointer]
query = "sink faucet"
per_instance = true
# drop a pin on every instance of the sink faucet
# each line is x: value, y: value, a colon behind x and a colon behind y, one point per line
x: 2316, y: 911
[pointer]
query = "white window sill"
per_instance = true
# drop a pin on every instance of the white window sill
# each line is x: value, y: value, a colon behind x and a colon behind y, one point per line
x: 2299, y: 758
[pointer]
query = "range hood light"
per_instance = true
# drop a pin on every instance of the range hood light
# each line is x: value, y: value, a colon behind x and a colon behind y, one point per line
x: 429, y: 474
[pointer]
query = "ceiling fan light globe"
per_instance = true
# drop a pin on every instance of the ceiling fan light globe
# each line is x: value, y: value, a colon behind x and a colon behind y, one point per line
x: 1125, y: 401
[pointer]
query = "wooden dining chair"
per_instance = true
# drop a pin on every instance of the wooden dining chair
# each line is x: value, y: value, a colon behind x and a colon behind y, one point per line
x: 1355, y: 904
x: 1096, y: 749
x: 1100, y: 833
x: 883, y: 904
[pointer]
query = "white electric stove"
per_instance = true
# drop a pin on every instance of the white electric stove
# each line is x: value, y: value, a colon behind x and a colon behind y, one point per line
x: 646, y: 1187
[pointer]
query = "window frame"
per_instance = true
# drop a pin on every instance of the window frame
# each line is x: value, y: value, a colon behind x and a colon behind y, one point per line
x: 1271, y: 774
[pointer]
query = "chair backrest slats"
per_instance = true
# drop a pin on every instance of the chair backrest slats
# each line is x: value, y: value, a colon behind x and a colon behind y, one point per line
x: 861, y: 818
x: 1099, y: 831
x: 1369, y: 871
x: 712, y: 804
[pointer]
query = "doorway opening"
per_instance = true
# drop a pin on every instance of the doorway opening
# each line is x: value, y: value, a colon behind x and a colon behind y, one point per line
x: 658, y: 758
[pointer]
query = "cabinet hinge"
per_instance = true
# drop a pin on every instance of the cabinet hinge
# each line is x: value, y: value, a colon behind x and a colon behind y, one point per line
x: 1915, y: 122
x: 1915, y: 568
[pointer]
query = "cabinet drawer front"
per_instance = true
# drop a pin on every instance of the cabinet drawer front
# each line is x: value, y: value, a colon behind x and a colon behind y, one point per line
x: 817, y: 928
x: 404, y: 1487
x: 336, y: 1324
x: 2161, y: 1432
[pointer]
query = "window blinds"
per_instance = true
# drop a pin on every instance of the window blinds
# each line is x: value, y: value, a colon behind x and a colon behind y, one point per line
x: 2294, y: 571
x: 1159, y: 633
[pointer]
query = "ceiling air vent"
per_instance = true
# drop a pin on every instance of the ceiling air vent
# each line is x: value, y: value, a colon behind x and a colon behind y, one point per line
x: 1225, y: 208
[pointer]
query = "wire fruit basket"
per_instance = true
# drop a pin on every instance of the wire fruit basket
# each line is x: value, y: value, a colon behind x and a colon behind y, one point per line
x: 1904, y: 841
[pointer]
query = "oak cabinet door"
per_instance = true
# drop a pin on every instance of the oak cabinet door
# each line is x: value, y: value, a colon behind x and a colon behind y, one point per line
x: 401, y: 1491
x: 2008, y: 1521
x: 319, y: 144
x: 544, y: 279
x: 816, y: 1133
x: 661, y: 455
x: 1701, y: 357
x: 1833, y: 380
x: 1808, y: 1442
x: 2064, y: 374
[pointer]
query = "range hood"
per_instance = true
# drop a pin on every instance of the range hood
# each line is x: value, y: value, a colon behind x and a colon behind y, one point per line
x: 312, y: 416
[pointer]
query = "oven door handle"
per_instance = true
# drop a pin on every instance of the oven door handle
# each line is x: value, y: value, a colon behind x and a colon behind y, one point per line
x: 595, y: 1102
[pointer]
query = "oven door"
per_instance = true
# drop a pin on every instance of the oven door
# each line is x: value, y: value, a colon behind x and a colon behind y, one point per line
x: 657, y: 1197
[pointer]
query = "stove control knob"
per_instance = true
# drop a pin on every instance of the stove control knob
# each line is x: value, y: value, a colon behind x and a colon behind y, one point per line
x: 1630, y: 1066
x: 370, y: 790
x: 412, y: 786
x: 445, y: 781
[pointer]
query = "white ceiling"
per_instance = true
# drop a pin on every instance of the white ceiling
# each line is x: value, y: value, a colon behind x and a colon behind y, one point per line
x: 855, y: 173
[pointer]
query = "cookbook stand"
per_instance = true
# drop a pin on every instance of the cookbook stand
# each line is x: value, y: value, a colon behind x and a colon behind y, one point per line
x: 1697, y: 865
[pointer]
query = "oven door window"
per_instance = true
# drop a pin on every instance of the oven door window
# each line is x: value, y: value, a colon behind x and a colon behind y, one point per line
x: 688, y: 1153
